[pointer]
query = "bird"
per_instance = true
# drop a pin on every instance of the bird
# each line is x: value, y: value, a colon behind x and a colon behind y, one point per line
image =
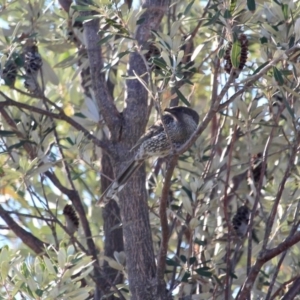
x: 180, y: 122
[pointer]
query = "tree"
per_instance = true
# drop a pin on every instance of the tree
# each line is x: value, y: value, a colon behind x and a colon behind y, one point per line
x: 217, y: 219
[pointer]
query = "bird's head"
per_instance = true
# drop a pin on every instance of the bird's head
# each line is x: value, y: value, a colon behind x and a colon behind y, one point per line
x: 178, y: 111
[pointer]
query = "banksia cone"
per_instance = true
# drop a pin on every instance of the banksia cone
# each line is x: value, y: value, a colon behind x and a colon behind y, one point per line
x: 9, y: 73
x: 240, y: 220
x: 32, y: 64
x: 32, y: 60
x: 72, y: 221
x: 243, y: 56
x: 244, y: 50
x: 227, y: 58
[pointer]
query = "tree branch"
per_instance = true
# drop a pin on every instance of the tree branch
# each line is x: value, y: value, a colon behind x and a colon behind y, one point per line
x: 27, y: 238
x: 104, y: 100
x: 263, y: 257
x: 60, y: 116
x: 162, y: 255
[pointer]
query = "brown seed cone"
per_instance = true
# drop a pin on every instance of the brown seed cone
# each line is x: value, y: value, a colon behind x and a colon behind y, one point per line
x: 72, y: 221
x: 240, y: 220
x: 243, y: 57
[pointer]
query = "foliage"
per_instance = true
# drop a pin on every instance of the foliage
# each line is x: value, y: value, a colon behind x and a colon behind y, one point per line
x: 56, y: 275
x: 55, y: 131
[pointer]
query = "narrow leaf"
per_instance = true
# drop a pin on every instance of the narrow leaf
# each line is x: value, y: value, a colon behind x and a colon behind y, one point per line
x: 140, y: 21
x: 183, y: 258
x: 227, y: 14
x: 105, y: 39
x: 251, y: 5
x: 235, y: 54
x: 232, y: 6
x: 213, y: 20
x: 285, y: 11
x: 196, y: 51
x: 260, y: 67
x: 182, y: 98
x: 278, y: 76
x: 7, y: 133
x: 188, y: 8
x: 185, y: 277
x: 204, y: 272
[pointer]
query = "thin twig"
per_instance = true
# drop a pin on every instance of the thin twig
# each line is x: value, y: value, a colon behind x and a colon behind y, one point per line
x: 60, y: 116
x: 265, y: 254
x: 161, y: 260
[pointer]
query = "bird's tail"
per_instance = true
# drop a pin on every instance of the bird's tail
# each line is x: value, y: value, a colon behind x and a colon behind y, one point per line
x: 118, y: 184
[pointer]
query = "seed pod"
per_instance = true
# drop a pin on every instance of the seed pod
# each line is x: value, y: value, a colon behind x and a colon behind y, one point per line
x: 32, y: 60
x: 242, y: 58
x: 72, y: 221
x: 244, y: 51
x: 32, y: 64
x: 240, y: 220
x: 9, y: 73
x: 227, y: 58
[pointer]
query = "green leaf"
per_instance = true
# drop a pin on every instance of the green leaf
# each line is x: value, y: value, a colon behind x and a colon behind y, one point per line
x: 263, y: 40
x: 197, y: 51
x: 236, y: 54
x: 185, y: 277
x: 287, y: 105
x: 61, y: 257
x: 159, y: 62
x: 81, y: 7
x: 39, y: 292
x: 286, y: 72
x: 204, y: 272
x: 214, y: 19
x: 232, y: 6
x: 285, y: 11
x: 4, y: 270
x: 87, y: 18
x: 105, y: 39
x: 199, y: 242
x: 278, y: 76
x: 171, y: 262
x: 140, y: 21
x: 18, y: 145
x: 181, y: 97
x: 183, y: 258
x: 121, y: 54
x: 251, y: 5
x: 188, y: 8
x: 188, y: 192
x: 7, y: 133
x: 227, y: 14
x: 192, y: 260
x: 49, y: 265
x: 221, y: 52
x: 260, y: 67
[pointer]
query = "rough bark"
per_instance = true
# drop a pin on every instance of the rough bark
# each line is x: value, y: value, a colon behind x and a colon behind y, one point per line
x: 133, y: 200
x: 125, y: 130
x: 112, y: 221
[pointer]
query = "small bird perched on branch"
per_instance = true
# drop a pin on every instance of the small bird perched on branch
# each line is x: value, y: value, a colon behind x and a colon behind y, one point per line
x: 180, y: 123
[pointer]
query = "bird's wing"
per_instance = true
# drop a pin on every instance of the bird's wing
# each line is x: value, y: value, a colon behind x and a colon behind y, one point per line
x: 154, y: 130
